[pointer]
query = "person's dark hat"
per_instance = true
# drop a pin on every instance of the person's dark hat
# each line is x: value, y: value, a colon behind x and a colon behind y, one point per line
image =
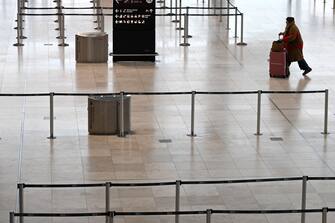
x: 290, y: 19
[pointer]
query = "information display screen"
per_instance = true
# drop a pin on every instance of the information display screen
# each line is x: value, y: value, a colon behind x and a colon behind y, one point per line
x: 134, y: 30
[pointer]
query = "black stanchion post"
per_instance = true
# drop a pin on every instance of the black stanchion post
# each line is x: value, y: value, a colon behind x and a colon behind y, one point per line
x: 176, y: 12
x: 180, y: 28
x: 324, y: 214
x: 59, y: 12
x: 21, y: 10
x: 186, y: 24
x: 164, y: 4
x: 235, y: 36
x: 171, y: 5
x: 21, y: 202
x: 208, y: 215
x: 325, y: 124
x: 221, y: 5
x: 107, y: 192
x: 62, y: 31
x: 177, y: 206
x: 228, y: 12
x: 18, y: 31
x: 51, y: 118
x: 192, y: 113
x: 95, y: 10
x: 11, y: 217
x: 102, y: 21
x: 259, y: 104
x: 112, y: 215
x: 122, y: 134
x: 242, y: 27
x: 303, y: 198
x: 185, y: 43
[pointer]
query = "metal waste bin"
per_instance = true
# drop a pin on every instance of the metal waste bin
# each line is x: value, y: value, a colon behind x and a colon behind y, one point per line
x: 92, y: 47
x: 104, y: 115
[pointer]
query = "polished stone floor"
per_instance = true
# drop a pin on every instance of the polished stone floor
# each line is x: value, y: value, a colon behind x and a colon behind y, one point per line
x: 225, y: 146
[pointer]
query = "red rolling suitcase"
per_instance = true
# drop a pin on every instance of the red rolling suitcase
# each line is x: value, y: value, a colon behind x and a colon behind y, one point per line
x: 278, y: 66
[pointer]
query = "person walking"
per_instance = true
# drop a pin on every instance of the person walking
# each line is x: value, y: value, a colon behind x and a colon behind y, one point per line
x: 294, y: 45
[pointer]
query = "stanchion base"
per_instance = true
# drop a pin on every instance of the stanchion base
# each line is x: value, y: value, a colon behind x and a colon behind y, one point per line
x: 192, y: 135
x: 258, y: 134
x: 18, y: 44
x: 189, y: 36
x: 63, y: 44
x: 179, y: 28
x: 184, y: 44
x: 170, y: 14
x: 175, y: 21
x: 121, y: 136
x: 241, y: 44
x: 51, y: 137
x: 325, y: 133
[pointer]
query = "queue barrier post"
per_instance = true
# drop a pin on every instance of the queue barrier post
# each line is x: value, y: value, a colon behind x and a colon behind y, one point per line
x: 177, y: 205
x: 259, y: 104
x: 192, y: 113
x: 228, y: 12
x: 51, y: 114
x: 303, y: 198
x: 235, y: 36
x: 107, y: 194
x: 241, y: 43
x: 325, y: 124
x: 324, y: 214
x: 122, y: 133
x: 185, y: 43
x: 21, y: 202
x: 11, y: 217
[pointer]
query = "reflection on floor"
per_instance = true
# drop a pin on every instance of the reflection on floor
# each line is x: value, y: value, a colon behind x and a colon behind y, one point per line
x: 225, y: 146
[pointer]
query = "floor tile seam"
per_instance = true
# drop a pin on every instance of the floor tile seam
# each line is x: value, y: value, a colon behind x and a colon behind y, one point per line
x: 20, y: 154
x: 228, y: 49
x: 297, y: 130
x: 81, y: 160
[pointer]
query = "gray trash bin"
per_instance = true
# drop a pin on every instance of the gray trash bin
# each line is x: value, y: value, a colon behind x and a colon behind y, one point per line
x: 92, y: 47
x: 104, y: 115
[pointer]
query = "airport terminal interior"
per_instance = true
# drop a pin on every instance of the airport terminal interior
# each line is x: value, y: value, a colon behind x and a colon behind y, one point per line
x: 159, y: 148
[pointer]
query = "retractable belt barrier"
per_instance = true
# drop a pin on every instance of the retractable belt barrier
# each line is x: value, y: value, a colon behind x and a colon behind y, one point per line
x: 193, y: 95
x: 208, y: 212
x: 99, y: 13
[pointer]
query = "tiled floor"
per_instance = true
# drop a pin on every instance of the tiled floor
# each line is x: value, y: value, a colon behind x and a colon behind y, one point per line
x: 225, y: 146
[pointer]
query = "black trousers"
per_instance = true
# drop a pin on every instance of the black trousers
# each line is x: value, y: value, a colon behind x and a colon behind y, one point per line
x: 302, y: 64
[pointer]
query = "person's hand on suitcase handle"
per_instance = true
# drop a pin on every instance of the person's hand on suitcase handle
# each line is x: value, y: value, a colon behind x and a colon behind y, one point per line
x: 280, y: 34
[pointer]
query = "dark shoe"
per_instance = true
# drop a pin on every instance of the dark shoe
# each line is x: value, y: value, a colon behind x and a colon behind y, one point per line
x: 307, y: 71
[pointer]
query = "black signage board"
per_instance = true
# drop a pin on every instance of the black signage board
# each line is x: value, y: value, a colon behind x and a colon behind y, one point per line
x: 134, y: 30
